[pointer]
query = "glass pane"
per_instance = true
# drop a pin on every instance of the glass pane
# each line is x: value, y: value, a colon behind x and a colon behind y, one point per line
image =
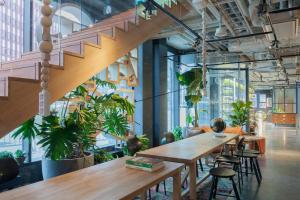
x: 279, y: 95
x: 278, y: 108
x: 290, y: 95
x: 290, y: 108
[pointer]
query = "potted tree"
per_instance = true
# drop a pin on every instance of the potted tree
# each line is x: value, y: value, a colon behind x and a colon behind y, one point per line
x: 240, y: 113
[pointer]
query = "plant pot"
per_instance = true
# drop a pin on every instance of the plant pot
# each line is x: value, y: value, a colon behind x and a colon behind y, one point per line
x: 20, y: 160
x: 9, y: 169
x: 52, y: 168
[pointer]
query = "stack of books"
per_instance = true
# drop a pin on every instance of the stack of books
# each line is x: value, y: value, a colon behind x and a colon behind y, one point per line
x: 146, y: 164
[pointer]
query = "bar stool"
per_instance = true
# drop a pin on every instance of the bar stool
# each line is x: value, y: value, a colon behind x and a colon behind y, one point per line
x: 222, y: 172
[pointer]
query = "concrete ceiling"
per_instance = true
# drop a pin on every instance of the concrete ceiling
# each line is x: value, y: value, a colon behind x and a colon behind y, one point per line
x: 242, y: 17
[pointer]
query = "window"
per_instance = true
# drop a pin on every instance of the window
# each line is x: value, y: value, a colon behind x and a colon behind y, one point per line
x: 284, y: 100
x: 170, y: 90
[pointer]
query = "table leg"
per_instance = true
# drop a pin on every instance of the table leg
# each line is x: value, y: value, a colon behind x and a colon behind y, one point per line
x: 193, y: 192
x: 177, y: 186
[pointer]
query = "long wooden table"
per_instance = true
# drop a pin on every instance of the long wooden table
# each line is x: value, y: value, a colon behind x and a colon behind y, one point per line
x: 107, y: 181
x: 188, y: 151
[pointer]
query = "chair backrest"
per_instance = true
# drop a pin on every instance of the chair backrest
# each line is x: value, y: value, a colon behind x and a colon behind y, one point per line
x: 240, y: 144
x: 169, y: 138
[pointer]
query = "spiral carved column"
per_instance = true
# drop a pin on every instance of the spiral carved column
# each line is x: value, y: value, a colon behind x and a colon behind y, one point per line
x: 45, y: 48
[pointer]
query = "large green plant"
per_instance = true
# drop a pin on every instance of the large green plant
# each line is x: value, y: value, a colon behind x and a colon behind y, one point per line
x: 70, y: 135
x: 240, y: 113
x: 192, y: 79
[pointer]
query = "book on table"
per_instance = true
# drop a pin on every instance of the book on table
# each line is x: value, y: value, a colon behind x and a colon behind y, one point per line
x: 146, y: 164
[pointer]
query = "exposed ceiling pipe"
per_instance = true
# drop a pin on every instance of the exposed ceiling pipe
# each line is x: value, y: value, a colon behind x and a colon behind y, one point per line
x: 254, y: 11
x: 242, y: 5
x: 221, y: 31
x: 216, y: 13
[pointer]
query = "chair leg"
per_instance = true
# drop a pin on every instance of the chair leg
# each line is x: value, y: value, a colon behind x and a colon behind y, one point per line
x: 149, y: 191
x: 255, y: 171
x: 246, y: 166
x: 235, y: 189
x: 239, y: 174
x: 258, y: 168
x: 201, y: 166
x: 212, y: 189
x: 157, y: 188
x: 216, y: 187
x: 241, y: 170
x: 197, y: 170
x: 165, y: 187
x: 251, y: 167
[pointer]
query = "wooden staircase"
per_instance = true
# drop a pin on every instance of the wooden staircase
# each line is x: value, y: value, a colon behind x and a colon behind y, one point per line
x: 74, y: 61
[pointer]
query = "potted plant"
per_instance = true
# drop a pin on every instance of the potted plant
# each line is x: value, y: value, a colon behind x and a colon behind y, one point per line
x: 9, y: 168
x: 68, y: 138
x: 240, y: 113
x: 20, y: 157
x: 192, y: 80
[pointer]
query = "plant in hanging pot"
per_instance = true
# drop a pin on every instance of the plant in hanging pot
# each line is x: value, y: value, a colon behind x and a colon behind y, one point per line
x: 192, y: 79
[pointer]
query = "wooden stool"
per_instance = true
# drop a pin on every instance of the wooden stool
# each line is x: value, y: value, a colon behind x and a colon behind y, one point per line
x: 221, y: 172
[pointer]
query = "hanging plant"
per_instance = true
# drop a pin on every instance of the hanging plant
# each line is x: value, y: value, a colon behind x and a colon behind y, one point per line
x: 192, y: 79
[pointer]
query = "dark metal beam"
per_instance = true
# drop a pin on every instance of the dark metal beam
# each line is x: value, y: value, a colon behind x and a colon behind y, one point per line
x: 284, y: 10
x: 240, y: 36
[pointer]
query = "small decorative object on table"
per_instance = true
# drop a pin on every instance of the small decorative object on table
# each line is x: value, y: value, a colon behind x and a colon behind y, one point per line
x: 146, y: 164
x: 218, y: 125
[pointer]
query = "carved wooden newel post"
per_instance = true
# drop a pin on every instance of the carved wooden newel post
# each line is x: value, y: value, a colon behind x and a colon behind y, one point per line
x: 45, y: 48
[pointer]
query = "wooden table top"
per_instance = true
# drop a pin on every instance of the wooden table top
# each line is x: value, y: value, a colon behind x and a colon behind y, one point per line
x: 107, y: 181
x: 188, y: 150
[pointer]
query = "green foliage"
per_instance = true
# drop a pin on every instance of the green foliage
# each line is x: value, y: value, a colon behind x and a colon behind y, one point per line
x: 189, y: 119
x: 145, y: 142
x: 240, y: 113
x: 115, y: 123
x: 27, y: 130
x: 6, y: 154
x: 101, y: 156
x: 71, y: 135
x: 178, y: 133
x: 192, y: 79
x: 56, y: 139
x: 19, y: 153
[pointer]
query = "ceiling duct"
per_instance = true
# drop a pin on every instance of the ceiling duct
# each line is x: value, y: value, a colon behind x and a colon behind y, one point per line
x: 255, y: 12
x: 221, y: 31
